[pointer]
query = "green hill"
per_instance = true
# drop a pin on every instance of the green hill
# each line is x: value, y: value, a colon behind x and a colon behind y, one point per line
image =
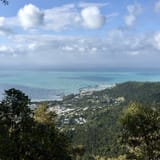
x: 101, y: 110
x: 144, y: 92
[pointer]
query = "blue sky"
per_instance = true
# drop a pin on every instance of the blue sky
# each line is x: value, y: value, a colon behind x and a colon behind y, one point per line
x: 80, y: 34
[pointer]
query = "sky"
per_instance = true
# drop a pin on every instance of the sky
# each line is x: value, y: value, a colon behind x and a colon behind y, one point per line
x: 75, y: 34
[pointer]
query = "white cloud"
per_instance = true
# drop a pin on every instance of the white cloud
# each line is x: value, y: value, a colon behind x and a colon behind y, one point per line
x: 30, y: 16
x: 67, y: 48
x: 68, y: 16
x: 32, y: 46
x: 130, y: 20
x: 134, y: 11
x: 92, y: 17
x: 61, y: 18
x: 86, y: 4
x: 3, y: 48
x: 4, y: 30
x: 2, y: 20
x: 156, y: 40
x: 119, y: 47
x: 65, y: 17
x: 157, y: 6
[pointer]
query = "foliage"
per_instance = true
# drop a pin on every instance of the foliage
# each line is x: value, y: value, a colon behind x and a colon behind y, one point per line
x: 142, y: 92
x: 101, y: 134
x: 15, y: 123
x: 141, y: 132
x: 27, y: 134
x: 121, y: 157
x: 78, y: 151
x: 43, y: 116
x: 21, y: 137
x: 5, y: 2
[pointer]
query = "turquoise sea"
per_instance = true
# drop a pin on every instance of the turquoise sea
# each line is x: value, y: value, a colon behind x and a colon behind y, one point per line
x: 50, y: 85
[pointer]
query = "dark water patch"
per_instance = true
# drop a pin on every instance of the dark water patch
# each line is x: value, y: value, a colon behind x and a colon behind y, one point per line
x: 5, y: 75
x: 36, y: 94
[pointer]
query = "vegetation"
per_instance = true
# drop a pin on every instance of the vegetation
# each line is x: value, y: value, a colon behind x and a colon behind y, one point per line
x: 141, y: 132
x: 101, y: 134
x: 142, y: 92
x: 5, y: 2
x: 104, y: 125
x: 43, y: 116
x: 22, y: 137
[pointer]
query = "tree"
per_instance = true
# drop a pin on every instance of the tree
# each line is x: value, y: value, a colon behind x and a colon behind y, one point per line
x: 21, y: 137
x: 141, y: 132
x: 121, y: 157
x: 15, y: 124
x: 57, y: 145
x: 78, y: 151
x: 42, y: 115
x: 5, y: 2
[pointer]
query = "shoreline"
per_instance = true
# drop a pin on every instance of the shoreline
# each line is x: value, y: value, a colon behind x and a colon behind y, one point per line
x: 83, y: 90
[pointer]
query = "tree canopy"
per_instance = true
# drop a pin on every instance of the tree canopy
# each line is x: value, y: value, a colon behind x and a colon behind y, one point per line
x: 22, y: 137
x: 4, y: 2
x: 141, y: 132
x: 42, y: 115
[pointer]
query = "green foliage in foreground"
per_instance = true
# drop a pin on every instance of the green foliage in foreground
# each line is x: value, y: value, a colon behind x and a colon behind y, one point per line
x: 141, y: 132
x: 23, y: 138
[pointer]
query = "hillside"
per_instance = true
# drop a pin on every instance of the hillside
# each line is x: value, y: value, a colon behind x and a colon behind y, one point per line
x: 144, y: 92
x: 92, y: 118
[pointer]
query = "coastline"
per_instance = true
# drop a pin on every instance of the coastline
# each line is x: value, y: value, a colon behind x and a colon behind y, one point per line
x: 81, y: 91
x: 52, y: 86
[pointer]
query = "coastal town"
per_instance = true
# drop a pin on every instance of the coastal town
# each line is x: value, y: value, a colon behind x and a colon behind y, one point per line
x: 75, y: 109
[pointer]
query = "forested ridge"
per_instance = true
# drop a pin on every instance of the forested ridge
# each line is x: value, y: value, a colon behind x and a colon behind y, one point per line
x: 101, y: 135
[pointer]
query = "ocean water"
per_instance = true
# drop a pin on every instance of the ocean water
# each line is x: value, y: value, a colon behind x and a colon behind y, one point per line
x: 51, y: 85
